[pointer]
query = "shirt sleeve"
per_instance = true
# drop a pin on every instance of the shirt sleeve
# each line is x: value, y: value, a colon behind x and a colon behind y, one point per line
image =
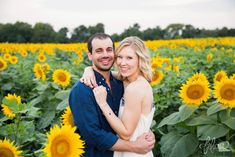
x: 86, y: 118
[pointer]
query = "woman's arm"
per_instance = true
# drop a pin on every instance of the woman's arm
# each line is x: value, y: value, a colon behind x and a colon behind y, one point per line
x: 88, y: 77
x: 125, y: 126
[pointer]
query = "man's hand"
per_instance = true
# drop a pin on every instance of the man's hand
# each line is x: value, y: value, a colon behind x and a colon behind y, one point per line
x: 144, y: 143
x: 150, y: 137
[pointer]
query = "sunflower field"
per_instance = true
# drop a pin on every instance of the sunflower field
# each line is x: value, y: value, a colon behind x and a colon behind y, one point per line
x: 193, y: 85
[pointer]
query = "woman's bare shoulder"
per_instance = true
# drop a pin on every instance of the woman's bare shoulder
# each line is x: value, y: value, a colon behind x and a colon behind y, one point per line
x: 138, y: 86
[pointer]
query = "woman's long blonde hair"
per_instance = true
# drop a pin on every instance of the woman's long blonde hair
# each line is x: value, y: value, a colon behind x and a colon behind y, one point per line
x: 142, y: 52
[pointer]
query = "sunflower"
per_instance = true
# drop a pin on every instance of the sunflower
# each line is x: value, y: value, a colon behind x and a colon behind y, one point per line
x: 3, y: 64
x: 67, y: 117
x: 7, y: 56
x: 193, y: 93
x: 198, y: 76
x: 42, y: 58
x: 157, y: 77
x: 232, y: 77
x: 24, y: 53
x: 225, y: 92
x: 209, y: 56
x: 61, y: 77
x: 38, y: 72
x: 220, y: 75
x: 63, y: 142
x: 176, y: 68
x: 5, y: 109
x: 45, y: 67
x: 13, y: 60
x: 13, y: 97
x: 7, y: 149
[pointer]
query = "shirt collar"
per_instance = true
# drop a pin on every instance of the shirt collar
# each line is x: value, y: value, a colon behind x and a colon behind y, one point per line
x: 99, y: 77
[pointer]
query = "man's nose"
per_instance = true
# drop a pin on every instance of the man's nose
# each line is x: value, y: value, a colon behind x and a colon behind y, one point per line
x: 105, y: 53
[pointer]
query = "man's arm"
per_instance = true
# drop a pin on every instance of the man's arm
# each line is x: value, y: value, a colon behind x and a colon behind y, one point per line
x: 85, y: 114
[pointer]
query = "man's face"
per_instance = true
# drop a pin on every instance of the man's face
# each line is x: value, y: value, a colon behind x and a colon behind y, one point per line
x: 102, y: 55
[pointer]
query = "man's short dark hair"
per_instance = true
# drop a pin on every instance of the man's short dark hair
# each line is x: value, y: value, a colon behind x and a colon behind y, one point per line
x: 97, y: 36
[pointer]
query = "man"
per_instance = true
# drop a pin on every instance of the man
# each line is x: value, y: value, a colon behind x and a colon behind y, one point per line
x: 100, y: 139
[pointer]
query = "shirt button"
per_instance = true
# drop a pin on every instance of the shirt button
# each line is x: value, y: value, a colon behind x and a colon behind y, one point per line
x: 108, y: 89
x: 99, y: 82
x: 103, y: 79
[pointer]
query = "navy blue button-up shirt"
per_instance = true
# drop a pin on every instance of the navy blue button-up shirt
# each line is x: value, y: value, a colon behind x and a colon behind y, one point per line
x: 91, y: 124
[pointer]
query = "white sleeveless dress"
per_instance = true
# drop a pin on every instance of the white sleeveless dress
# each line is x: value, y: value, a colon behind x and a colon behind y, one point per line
x: 143, y: 126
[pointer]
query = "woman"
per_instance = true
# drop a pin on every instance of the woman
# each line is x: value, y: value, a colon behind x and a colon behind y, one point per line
x: 136, y: 108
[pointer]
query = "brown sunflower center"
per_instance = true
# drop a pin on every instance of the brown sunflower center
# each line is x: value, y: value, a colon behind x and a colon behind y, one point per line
x: 228, y: 92
x: 156, y: 76
x: 219, y: 77
x: 5, y: 152
x: 62, y: 77
x: 7, y: 56
x: 60, y: 147
x: 39, y: 72
x: 195, y: 92
x: 1, y: 65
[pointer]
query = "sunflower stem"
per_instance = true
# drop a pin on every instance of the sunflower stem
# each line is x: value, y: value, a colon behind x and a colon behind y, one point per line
x: 18, y: 117
x: 228, y: 115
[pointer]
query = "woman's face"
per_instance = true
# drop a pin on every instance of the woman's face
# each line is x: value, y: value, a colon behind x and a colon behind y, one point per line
x: 127, y: 62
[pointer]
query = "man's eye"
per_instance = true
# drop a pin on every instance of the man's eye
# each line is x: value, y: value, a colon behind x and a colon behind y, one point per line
x: 110, y: 50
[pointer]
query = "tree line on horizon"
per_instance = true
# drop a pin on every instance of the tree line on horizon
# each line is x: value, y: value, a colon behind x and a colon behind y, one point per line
x: 21, y: 32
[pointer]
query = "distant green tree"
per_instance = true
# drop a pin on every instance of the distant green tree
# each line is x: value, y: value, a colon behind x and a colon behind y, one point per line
x: 43, y: 33
x: 61, y: 36
x: 116, y: 37
x: 132, y: 31
x: 79, y: 34
x: 188, y: 31
x: 153, y: 33
x: 19, y: 32
x: 82, y: 33
x: 174, y: 31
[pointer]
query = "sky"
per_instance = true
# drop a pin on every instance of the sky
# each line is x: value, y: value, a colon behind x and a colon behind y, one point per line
x: 118, y: 15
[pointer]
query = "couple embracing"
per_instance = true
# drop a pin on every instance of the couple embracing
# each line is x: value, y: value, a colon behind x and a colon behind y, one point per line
x: 113, y: 111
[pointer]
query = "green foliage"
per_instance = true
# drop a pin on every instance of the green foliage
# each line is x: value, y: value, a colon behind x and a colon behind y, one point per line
x: 181, y: 130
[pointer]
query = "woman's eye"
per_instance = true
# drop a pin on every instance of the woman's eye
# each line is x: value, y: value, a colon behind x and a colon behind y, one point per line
x: 129, y: 57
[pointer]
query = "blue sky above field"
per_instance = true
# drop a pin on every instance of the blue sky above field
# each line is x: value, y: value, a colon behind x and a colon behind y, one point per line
x: 120, y: 14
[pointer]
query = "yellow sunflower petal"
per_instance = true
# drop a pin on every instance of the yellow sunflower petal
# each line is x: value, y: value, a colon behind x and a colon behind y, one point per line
x: 38, y: 72
x: 157, y: 77
x: 199, y: 76
x: 225, y: 92
x: 63, y: 142
x: 13, y: 60
x: 61, y: 77
x: 220, y: 75
x: 7, y: 111
x: 67, y: 117
x: 194, y: 93
x: 3, y: 64
x: 7, y: 149
x: 42, y: 58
